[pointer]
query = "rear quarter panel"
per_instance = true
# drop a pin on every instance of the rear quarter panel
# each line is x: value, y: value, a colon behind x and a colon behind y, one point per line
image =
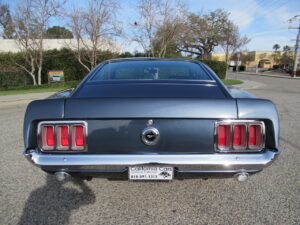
x: 262, y: 109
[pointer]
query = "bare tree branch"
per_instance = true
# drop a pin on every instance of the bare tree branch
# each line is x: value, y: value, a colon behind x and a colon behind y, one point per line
x: 92, y: 28
x: 158, y: 24
x: 31, y: 20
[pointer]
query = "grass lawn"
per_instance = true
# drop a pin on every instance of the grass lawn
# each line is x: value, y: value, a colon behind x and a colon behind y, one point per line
x: 232, y: 82
x: 55, y: 87
x: 27, y: 91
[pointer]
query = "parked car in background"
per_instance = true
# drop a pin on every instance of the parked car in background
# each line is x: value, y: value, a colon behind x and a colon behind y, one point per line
x: 152, y: 119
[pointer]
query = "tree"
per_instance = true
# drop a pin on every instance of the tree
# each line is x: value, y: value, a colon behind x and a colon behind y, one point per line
x: 276, y: 47
x: 159, y: 23
x: 232, y: 41
x: 202, y: 33
x: 276, y: 54
x: 287, y: 57
x: 31, y: 20
x: 57, y: 32
x: 92, y: 29
x: 6, y: 22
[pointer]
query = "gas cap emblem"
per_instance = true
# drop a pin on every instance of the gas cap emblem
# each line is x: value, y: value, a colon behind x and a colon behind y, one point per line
x: 150, y: 136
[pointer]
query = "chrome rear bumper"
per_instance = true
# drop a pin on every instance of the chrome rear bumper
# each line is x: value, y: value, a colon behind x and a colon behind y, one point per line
x: 198, y: 163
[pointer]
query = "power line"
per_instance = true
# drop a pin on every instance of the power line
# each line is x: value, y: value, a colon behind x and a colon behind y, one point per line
x: 269, y: 6
x: 277, y: 6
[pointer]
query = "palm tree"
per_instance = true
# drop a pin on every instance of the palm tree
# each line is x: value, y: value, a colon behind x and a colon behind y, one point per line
x: 276, y: 47
x: 286, y: 48
x: 287, y: 57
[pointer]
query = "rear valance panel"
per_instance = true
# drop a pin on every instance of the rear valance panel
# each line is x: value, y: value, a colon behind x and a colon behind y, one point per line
x: 150, y: 108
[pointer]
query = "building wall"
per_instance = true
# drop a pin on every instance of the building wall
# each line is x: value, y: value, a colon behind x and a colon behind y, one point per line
x: 9, y: 45
x: 262, y: 59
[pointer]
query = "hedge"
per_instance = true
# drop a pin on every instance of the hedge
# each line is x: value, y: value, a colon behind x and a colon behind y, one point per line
x: 219, y: 67
x: 64, y: 59
x: 20, y: 78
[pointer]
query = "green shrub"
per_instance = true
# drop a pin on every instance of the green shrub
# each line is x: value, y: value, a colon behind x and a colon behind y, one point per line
x: 65, y: 60
x: 63, y: 85
x: 13, y: 79
x: 12, y: 76
x: 242, y: 68
x: 218, y: 67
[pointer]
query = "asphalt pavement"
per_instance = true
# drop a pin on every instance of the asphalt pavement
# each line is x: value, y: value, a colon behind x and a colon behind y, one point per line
x: 30, y: 196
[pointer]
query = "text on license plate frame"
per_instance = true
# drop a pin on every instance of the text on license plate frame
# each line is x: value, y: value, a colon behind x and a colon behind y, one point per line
x: 151, y: 173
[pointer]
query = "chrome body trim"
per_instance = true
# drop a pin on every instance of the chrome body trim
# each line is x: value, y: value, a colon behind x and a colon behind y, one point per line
x: 196, y: 163
x: 238, y: 122
x: 152, y: 131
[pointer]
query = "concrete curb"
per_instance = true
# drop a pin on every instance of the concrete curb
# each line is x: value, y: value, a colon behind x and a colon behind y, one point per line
x: 248, y: 85
x: 268, y: 75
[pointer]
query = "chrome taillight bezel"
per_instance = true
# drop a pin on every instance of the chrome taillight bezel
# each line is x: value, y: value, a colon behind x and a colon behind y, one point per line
x: 231, y: 149
x: 56, y: 124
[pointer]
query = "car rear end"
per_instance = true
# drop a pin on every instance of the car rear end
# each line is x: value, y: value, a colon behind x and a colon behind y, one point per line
x: 151, y: 129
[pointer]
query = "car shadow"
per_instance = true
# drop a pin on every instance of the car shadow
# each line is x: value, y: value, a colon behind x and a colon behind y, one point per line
x: 53, y: 202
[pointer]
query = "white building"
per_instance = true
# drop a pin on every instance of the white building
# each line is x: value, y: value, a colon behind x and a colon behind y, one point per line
x: 10, y: 45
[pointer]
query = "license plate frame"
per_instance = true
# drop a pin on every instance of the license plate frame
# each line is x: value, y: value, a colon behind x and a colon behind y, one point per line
x: 150, y: 173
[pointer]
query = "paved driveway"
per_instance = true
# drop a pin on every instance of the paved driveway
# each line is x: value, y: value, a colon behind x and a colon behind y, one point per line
x: 29, y: 196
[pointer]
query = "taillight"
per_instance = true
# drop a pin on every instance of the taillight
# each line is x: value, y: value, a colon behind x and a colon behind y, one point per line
x: 224, y: 137
x: 255, y: 140
x: 78, y: 137
x: 237, y: 136
x: 62, y: 136
x: 47, y: 136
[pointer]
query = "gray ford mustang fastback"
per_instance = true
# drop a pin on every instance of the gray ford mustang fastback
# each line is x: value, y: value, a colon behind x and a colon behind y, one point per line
x: 151, y: 119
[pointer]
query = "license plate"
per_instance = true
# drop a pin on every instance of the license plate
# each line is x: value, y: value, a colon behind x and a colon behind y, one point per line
x: 150, y: 173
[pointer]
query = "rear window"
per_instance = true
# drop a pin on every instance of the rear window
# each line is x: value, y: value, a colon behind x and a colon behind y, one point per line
x: 151, y: 70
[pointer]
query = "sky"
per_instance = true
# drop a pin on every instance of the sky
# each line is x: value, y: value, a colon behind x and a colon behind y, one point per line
x: 265, y: 22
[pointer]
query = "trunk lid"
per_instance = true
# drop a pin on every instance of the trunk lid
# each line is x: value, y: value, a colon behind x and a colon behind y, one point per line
x: 115, y: 125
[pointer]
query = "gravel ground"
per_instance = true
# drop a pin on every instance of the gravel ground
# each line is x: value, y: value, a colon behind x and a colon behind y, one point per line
x: 29, y: 196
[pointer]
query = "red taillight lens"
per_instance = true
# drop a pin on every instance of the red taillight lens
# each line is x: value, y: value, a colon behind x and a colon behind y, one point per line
x: 224, y: 137
x: 63, y: 137
x: 78, y: 136
x: 47, y: 135
x: 255, y: 140
x: 239, y: 136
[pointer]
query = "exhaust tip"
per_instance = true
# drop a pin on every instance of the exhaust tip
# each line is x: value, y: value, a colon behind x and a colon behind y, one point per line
x: 242, y: 177
x: 61, y: 176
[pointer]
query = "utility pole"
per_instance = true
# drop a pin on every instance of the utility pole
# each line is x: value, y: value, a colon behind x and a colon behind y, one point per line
x: 296, y: 55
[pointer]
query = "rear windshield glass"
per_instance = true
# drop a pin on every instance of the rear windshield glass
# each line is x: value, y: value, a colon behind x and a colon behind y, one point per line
x: 151, y: 70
